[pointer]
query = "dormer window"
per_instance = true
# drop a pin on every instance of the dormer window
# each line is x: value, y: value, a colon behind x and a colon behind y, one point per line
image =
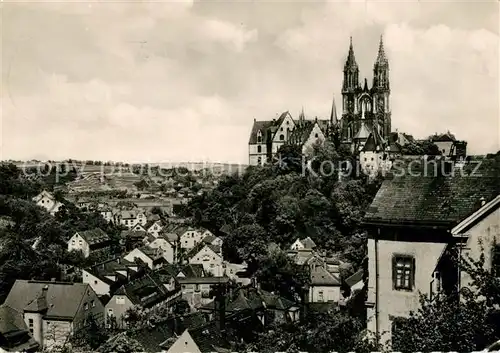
x: 259, y: 136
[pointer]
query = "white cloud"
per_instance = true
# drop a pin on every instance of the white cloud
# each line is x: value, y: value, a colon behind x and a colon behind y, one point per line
x: 83, y: 86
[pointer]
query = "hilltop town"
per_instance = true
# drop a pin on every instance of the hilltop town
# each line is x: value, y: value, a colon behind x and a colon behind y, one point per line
x: 324, y: 242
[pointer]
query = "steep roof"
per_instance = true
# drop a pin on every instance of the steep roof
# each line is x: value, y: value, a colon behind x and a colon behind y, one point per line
x: 184, y: 343
x: 263, y: 126
x: 63, y: 299
x: 193, y: 270
x: 268, y: 128
x: 374, y: 140
x: 308, y: 243
x: 148, y: 290
x: 355, y: 278
x: 321, y: 277
x: 363, y: 133
x: 426, y: 198
x: 94, y: 237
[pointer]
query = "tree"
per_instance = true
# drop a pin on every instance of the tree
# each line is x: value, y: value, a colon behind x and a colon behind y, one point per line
x: 448, y: 322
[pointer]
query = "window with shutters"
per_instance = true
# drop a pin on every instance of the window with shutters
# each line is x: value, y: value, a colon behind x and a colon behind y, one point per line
x: 495, y: 261
x: 403, y: 272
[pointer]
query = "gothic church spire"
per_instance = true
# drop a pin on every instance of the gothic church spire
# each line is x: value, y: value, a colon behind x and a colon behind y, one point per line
x: 351, y: 59
x: 381, y: 57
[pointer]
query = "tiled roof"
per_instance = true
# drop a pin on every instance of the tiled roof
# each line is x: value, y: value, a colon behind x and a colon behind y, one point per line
x: 94, y: 237
x: 11, y: 320
x: 148, y: 290
x: 301, y: 132
x: 253, y: 299
x: 14, y: 332
x: 63, y: 299
x: 321, y: 277
x: 193, y: 270
x: 202, y: 280
x: 267, y: 127
x: 171, y: 237
x: 416, y: 198
x: 153, y: 254
x: 155, y: 339
x: 209, y: 339
x: 209, y: 239
x: 355, y: 278
x: 134, y: 234
x: 374, y: 140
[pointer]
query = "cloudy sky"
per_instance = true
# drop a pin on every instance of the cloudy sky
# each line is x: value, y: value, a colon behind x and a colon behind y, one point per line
x: 183, y: 81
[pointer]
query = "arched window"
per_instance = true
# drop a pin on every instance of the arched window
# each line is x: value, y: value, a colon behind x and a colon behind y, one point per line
x: 259, y: 161
x: 259, y: 136
x: 259, y: 149
x: 316, y: 135
x: 282, y: 137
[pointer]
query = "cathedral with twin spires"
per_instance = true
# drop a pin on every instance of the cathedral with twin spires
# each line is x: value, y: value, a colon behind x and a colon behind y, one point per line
x: 365, y: 110
x: 365, y: 126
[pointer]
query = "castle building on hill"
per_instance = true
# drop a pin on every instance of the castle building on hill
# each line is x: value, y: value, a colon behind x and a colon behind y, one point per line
x: 366, y: 116
x: 268, y: 136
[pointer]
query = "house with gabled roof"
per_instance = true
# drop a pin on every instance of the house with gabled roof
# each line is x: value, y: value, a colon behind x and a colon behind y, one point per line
x: 166, y: 247
x: 50, y: 311
x: 377, y: 154
x: 410, y: 226
x: 189, y: 237
x: 325, y: 286
x: 213, y: 240
x: 268, y: 307
x: 306, y: 134
x: 196, y: 290
x: 47, y: 200
x: 306, y: 243
x: 267, y: 137
x: 89, y: 241
x: 152, y: 257
x: 131, y: 217
x: 191, y: 271
x: 154, y: 288
x: 139, y: 228
x: 210, y: 256
x: 154, y: 227
x: 109, y: 275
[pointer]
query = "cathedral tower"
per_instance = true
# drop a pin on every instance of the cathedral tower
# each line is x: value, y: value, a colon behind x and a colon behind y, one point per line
x: 365, y: 109
x: 381, y: 91
x: 350, y: 88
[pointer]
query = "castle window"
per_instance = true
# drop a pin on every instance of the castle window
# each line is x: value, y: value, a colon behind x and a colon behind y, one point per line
x: 403, y: 272
x: 281, y: 128
x: 316, y: 135
x: 282, y: 137
x: 259, y: 161
x: 259, y: 149
x: 30, y: 325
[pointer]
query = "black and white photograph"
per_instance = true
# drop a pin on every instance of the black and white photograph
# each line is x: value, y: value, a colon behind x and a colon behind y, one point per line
x: 195, y: 176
